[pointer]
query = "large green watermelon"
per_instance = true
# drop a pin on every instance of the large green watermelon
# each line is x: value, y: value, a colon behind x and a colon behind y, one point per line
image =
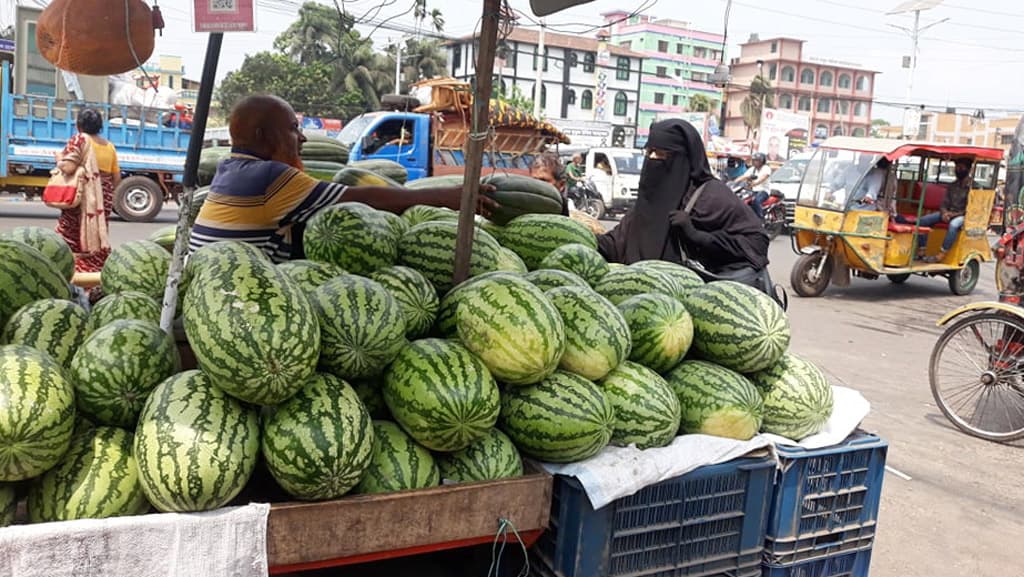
x: 534, y: 236
x: 563, y: 419
x: 797, y: 398
x: 444, y: 325
x: 622, y: 283
x: 716, y: 401
x: 509, y: 261
x: 513, y: 328
x: 309, y: 274
x: 581, y: 260
x: 319, y: 443
x: 128, y: 305
x: 398, y: 463
x: 685, y: 279
x: 352, y: 236
x: 398, y: 224
x: 53, y: 326
x: 430, y: 248
x: 647, y: 411
x: 661, y: 329
x: 48, y: 242
x: 415, y: 294
x: 137, y: 265
x: 195, y: 446
x: 37, y: 413
x: 116, y: 368
x: 441, y: 394
x: 737, y: 326
x: 8, y: 504
x: 97, y: 478
x: 596, y: 334
x: 371, y: 393
x: 252, y: 329
x: 165, y: 237
x: 422, y: 213
x: 546, y: 279
x: 26, y: 275
x: 362, y: 326
x: 492, y: 456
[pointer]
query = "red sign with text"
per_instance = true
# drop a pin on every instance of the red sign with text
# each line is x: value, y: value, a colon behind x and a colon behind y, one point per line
x: 224, y: 16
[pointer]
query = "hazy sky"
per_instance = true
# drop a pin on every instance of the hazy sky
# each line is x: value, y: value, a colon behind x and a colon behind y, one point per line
x: 974, y: 60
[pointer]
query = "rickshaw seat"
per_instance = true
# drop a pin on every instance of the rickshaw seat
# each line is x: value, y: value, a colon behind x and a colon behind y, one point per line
x: 934, y: 195
x: 897, y: 228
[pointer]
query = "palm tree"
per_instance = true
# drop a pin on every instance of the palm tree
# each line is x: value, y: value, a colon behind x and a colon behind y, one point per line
x: 369, y: 73
x: 759, y: 98
x: 699, y: 103
x: 421, y: 60
x: 317, y: 35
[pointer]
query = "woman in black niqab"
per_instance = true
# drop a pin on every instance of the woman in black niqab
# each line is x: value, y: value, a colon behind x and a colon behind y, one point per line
x: 721, y: 233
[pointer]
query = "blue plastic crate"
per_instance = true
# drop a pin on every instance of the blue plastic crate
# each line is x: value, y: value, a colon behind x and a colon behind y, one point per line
x: 842, y: 564
x: 708, y: 522
x: 825, y: 499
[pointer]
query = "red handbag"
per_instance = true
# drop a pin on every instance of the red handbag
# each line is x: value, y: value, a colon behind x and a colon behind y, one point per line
x: 63, y: 191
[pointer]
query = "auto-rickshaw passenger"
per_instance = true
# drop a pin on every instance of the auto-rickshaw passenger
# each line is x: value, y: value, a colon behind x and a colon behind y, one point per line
x: 952, y: 210
x: 876, y: 186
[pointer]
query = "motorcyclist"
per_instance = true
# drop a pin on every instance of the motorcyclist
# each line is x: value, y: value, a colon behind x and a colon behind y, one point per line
x: 756, y: 178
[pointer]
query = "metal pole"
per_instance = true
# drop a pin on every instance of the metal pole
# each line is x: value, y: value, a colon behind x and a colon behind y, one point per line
x: 195, y: 147
x: 398, y: 67
x: 477, y: 140
x: 538, y: 86
x: 914, y: 36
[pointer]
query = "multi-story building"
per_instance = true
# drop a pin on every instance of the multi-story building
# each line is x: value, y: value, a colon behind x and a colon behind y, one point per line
x: 169, y: 71
x: 836, y: 95
x: 581, y: 78
x: 678, y: 63
x: 972, y: 129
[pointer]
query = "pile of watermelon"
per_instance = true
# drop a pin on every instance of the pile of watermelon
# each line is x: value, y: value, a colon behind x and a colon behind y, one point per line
x: 364, y: 370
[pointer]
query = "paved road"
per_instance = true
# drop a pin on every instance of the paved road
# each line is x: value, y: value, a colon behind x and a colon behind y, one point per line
x: 962, y: 510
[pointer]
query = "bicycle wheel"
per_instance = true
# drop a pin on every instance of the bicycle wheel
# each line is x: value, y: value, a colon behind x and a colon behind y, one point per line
x: 977, y: 376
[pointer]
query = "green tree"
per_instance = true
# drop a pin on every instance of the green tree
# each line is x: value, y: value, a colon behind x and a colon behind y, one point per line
x: 421, y: 60
x: 7, y: 33
x: 514, y: 98
x: 699, y: 103
x: 876, y: 125
x: 759, y: 98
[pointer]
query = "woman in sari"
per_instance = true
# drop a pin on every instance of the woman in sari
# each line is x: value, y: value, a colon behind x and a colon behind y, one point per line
x: 85, y: 227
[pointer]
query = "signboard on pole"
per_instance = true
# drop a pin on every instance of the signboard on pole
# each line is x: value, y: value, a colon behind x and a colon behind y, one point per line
x: 783, y: 134
x: 590, y: 133
x: 224, y: 15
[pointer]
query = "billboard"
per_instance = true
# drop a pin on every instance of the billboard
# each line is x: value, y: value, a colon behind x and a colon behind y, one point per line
x: 783, y: 134
x: 590, y: 133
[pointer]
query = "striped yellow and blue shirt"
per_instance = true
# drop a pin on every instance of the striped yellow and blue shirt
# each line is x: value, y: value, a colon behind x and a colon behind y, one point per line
x: 262, y: 202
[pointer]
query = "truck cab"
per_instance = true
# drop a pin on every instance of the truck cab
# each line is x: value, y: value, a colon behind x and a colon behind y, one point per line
x: 402, y: 137
x: 615, y: 174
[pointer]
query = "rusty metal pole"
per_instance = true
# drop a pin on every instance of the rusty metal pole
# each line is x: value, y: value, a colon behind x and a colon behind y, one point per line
x: 478, y: 137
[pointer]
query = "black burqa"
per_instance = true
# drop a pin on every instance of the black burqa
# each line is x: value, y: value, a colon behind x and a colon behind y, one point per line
x: 725, y: 233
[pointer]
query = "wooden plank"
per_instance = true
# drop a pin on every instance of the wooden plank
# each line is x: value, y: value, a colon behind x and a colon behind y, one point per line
x: 303, y: 533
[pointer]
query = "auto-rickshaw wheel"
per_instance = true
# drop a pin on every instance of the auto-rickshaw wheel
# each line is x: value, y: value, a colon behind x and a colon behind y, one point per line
x: 977, y: 375
x: 898, y: 278
x: 804, y: 277
x: 963, y: 281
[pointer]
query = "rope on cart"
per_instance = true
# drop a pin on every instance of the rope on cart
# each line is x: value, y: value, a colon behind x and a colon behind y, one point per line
x: 504, y: 525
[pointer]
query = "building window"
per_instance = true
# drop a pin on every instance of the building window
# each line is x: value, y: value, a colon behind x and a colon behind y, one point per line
x: 587, y: 100
x: 804, y: 104
x: 773, y: 71
x: 843, y: 107
x: 679, y: 48
x: 574, y: 59
x: 1005, y: 139
x: 663, y: 46
x: 622, y: 103
x: 675, y: 100
x: 786, y: 102
x: 570, y: 97
x: 826, y: 78
x: 859, y: 131
x: 838, y: 130
x: 588, y: 62
x: 622, y: 68
x: 457, y: 57
x: 627, y: 44
x: 659, y: 98
x: 700, y: 52
x: 821, y: 131
x: 824, y: 105
x: 662, y: 72
x: 170, y: 82
x: 862, y: 84
x: 788, y: 74
x: 699, y: 76
x: 844, y: 81
x: 679, y: 72
x: 807, y: 76
x: 546, y: 52
x: 543, y: 96
x: 860, y: 109
x: 775, y: 47
x: 715, y: 55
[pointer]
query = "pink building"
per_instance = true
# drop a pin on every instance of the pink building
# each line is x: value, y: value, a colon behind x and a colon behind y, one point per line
x: 837, y: 95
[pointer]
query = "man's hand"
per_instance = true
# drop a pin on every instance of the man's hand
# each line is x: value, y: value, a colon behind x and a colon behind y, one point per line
x: 680, y: 219
x: 452, y: 198
x: 947, y: 216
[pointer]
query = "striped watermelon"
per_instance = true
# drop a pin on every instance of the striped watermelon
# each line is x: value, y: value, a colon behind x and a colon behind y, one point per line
x: 581, y: 260
x: 53, y: 326
x: 422, y: 213
x: 430, y: 249
x: 647, y: 411
x: 445, y: 326
x: 8, y: 504
x: 195, y: 446
x: 513, y: 328
x: 416, y: 296
x: 534, y: 236
x: 797, y: 398
x: 165, y: 237
x: 621, y: 283
x: 371, y: 393
x: 596, y: 334
x: 563, y: 419
x: 362, y: 326
x: 137, y: 265
x: 546, y: 279
x: 252, y: 329
x: 319, y: 443
x: 128, y: 305
x: 398, y: 463
x: 441, y: 394
x: 509, y: 261
x: 684, y: 278
x: 492, y: 456
x: 737, y: 326
x: 116, y: 368
x: 398, y: 224
x: 309, y: 274
x: 661, y: 329
x: 353, y: 236
x: 26, y: 275
x: 48, y: 242
x: 495, y: 230
x: 716, y: 401
x: 96, y: 479
x: 37, y: 413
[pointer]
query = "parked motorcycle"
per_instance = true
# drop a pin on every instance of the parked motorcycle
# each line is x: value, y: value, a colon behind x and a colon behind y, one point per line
x: 773, y: 208
x: 587, y: 199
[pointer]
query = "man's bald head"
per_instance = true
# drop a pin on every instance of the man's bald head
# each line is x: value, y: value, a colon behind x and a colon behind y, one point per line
x: 266, y: 126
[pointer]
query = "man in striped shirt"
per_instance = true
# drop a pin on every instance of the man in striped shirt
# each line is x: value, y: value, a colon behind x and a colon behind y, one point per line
x: 260, y: 195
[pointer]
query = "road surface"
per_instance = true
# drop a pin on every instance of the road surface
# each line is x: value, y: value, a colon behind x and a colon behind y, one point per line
x: 952, y: 505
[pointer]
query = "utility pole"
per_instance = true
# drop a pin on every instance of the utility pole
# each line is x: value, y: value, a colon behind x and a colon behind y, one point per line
x: 538, y: 86
x: 915, y: 7
x: 398, y: 66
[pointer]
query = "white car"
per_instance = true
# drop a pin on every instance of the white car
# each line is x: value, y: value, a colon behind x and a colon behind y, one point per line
x: 786, y: 181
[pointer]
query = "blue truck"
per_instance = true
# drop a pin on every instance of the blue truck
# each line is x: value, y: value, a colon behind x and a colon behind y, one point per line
x: 35, y: 128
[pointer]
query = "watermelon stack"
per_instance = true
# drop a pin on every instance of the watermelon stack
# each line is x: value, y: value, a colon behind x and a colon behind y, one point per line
x: 138, y: 265
x: 398, y: 462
